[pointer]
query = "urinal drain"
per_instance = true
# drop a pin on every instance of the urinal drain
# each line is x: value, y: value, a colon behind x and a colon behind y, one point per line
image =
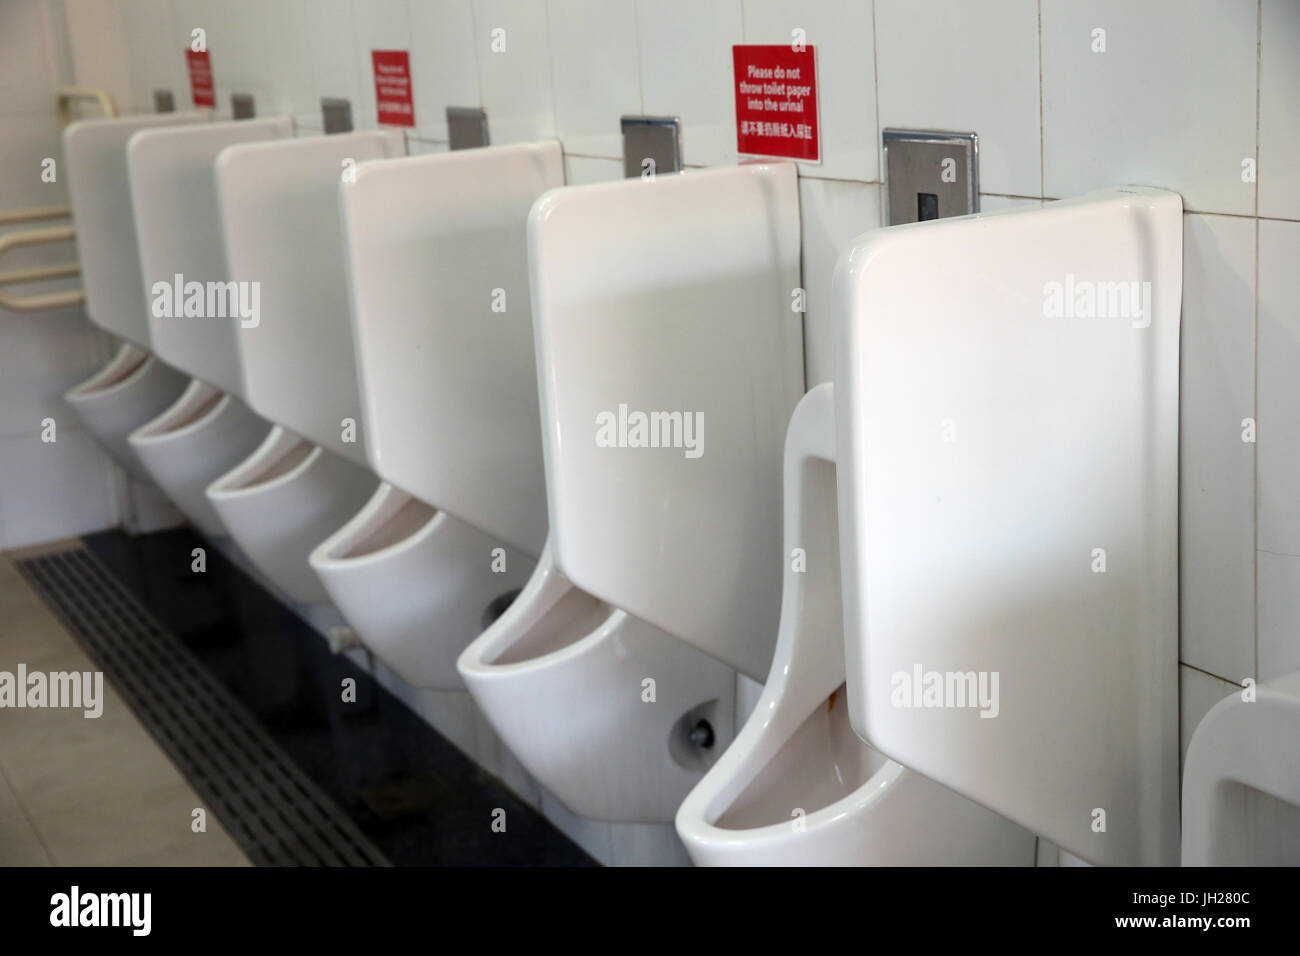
x: 276, y: 814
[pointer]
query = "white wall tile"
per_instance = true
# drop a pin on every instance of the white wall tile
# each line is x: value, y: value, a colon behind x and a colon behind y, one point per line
x: 685, y: 52
x: 52, y: 490
x: 593, y: 836
x: 966, y: 67
x: 1279, y: 109
x: 157, y: 58
x: 583, y: 170
x: 999, y: 203
x: 497, y: 759
x: 98, y: 47
x: 1217, y: 469
x: 595, y: 71
x: 1197, y: 694
x: 27, y: 74
x: 44, y: 355
x: 26, y: 140
x: 516, y: 81
x: 646, y: 844
x: 1279, y: 614
x: 443, y: 62
x: 841, y: 33
x: 1279, y: 399
x: 324, y: 34
x: 832, y: 213
x: 1170, y: 103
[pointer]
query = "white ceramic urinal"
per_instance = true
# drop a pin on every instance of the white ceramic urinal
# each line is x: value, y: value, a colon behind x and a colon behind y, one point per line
x: 132, y: 387
x: 1241, y: 780
x: 94, y: 155
x: 282, y: 233
x: 668, y: 298
x: 284, y: 499
x: 193, y: 311
x: 173, y: 189
x: 203, y: 434
x: 1007, y: 437
x: 797, y: 787
x: 448, y: 402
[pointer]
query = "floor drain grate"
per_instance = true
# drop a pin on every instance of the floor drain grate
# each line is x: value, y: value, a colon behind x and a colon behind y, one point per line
x: 276, y: 814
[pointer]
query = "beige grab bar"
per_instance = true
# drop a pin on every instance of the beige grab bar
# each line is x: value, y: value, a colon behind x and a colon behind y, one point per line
x: 35, y: 237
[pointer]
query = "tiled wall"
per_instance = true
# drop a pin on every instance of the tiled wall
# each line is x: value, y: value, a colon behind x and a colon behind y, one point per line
x: 47, y: 490
x: 1187, y: 95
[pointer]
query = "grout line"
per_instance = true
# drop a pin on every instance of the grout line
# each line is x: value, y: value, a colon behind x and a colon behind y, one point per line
x: 875, y: 81
x: 478, y: 73
x: 1255, y: 505
x: 636, y: 39
x: 1254, y: 456
x: 1042, y: 167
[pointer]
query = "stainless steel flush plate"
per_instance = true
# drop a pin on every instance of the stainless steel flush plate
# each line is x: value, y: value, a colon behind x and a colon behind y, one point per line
x: 163, y: 101
x: 651, y: 145
x: 467, y: 127
x: 241, y: 105
x: 336, y: 113
x: 930, y: 175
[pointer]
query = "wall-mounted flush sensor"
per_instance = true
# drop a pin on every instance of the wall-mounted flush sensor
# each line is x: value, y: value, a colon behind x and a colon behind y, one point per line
x: 466, y: 127
x: 241, y: 105
x: 163, y: 101
x: 336, y: 113
x: 651, y: 145
x: 930, y: 175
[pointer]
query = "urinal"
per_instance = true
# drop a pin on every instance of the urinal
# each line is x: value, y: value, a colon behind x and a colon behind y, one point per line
x: 279, y: 230
x: 133, y: 386
x: 1241, y: 780
x: 173, y: 200
x: 282, y: 501
x: 414, y: 583
x: 448, y: 405
x: 94, y: 155
x: 1007, y: 440
x: 797, y: 787
x: 204, y: 433
x: 669, y: 296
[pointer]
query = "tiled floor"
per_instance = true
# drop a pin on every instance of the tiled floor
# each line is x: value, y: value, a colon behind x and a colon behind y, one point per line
x: 86, y: 791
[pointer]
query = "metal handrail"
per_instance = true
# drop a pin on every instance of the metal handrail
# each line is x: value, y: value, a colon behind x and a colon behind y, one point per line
x: 67, y: 95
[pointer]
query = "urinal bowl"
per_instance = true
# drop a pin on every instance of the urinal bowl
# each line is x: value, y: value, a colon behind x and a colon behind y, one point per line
x: 201, y: 436
x: 1241, y: 780
x: 826, y: 798
x: 282, y: 501
x: 414, y: 583
x: 132, y: 388
x: 614, y: 717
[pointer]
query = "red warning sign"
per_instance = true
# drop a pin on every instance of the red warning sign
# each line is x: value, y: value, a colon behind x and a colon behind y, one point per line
x: 201, y: 84
x: 776, y: 101
x: 393, y: 87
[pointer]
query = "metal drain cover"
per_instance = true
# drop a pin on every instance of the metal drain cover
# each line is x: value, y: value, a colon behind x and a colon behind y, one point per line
x: 273, y: 810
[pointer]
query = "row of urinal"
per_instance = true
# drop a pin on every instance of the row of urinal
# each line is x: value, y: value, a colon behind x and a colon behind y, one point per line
x: 376, y: 304
x: 409, y: 313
